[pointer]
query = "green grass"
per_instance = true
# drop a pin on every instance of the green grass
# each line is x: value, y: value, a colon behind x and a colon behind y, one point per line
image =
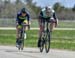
x: 66, y: 24
x: 61, y: 39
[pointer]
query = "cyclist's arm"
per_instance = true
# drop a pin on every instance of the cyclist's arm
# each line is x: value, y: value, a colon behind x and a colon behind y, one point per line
x: 56, y: 20
x: 54, y: 16
x: 29, y: 20
x: 41, y: 14
x: 17, y: 19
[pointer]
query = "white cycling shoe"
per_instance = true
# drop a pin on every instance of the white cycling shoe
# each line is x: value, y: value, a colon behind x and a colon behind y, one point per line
x: 25, y: 36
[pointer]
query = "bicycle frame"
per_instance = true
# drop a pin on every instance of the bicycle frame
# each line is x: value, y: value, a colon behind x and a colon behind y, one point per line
x: 45, y: 38
x: 22, y: 31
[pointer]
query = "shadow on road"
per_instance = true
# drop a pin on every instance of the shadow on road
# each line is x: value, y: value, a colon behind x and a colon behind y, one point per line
x: 25, y: 51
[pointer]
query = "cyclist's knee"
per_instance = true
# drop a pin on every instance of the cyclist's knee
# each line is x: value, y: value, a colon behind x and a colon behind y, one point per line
x: 52, y: 20
x: 41, y: 28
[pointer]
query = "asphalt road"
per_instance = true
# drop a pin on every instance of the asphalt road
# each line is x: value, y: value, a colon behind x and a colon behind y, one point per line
x: 13, y: 52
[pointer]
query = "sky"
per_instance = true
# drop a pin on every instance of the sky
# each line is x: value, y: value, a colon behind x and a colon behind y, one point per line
x: 42, y: 3
x: 66, y: 3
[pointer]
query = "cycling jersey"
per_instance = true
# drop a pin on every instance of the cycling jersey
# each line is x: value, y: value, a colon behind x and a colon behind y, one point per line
x: 45, y: 15
x: 21, y: 19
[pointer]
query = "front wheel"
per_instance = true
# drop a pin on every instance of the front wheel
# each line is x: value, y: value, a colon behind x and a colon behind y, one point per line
x: 41, y: 45
x: 22, y: 37
x: 22, y: 45
x: 42, y: 42
x: 21, y: 41
x: 47, y: 42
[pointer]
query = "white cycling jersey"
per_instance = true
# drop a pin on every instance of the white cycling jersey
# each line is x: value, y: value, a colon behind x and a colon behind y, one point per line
x: 49, y: 14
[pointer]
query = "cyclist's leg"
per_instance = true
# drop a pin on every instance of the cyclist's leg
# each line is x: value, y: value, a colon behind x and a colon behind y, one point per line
x: 17, y: 33
x: 41, y: 25
x: 52, y: 24
x: 25, y: 22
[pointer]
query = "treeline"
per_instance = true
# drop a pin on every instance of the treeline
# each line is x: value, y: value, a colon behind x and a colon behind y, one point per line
x: 9, y: 9
x: 64, y: 13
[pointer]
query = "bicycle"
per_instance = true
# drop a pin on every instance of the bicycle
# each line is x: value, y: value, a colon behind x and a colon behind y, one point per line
x: 45, y: 38
x: 21, y: 36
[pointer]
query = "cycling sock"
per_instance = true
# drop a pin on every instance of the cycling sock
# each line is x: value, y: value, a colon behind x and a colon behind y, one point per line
x: 24, y: 35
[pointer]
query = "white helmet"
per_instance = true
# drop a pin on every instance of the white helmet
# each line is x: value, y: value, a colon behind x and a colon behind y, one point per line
x: 48, y: 8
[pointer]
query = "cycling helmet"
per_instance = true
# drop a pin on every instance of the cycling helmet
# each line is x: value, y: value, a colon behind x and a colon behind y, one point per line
x: 23, y: 10
x: 48, y: 8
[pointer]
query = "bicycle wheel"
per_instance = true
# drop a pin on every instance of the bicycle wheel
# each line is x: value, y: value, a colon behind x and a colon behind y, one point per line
x: 22, y: 37
x: 19, y: 47
x: 47, y: 42
x: 22, y: 45
x: 21, y: 40
x: 42, y: 43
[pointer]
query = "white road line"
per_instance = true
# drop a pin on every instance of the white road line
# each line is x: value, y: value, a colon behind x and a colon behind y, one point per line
x: 12, y: 28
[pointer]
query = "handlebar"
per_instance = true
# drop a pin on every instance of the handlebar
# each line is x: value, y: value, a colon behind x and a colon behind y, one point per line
x: 25, y: 24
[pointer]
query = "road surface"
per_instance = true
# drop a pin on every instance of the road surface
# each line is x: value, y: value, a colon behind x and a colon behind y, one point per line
x: 13, y: 52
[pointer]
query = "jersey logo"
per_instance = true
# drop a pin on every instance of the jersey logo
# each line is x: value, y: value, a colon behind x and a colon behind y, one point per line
x: 22, y: 18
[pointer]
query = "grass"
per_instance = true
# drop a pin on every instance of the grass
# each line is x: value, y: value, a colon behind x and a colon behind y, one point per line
x: 61, y: 39
x: 66, y: 24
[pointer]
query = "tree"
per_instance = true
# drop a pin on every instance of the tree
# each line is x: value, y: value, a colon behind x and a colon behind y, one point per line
x: 73, y: 8
x: 6, y: 1
x: 18, y: 1
x: 58, y: 7
x: 28, y: 1
x: 34, y: 10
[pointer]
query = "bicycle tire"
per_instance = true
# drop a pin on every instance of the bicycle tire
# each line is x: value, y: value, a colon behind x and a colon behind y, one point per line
x: 22, y: 37
x: 21, y: 41
x: 47, y: 42
x: 22, y: 44
x: 42, y: 43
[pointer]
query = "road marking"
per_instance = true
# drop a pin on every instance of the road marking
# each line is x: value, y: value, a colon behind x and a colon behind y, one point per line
x: 12, y: 28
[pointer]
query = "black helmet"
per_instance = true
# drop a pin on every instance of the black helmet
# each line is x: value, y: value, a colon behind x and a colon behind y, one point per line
x: 23, y: 10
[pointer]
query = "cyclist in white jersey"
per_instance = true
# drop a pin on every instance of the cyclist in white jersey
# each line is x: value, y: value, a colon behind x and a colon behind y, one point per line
x: 47, y: 14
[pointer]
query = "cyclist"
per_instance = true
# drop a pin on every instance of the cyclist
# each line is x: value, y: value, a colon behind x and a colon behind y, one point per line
x: 22, y: 17
x: 48, y: 14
